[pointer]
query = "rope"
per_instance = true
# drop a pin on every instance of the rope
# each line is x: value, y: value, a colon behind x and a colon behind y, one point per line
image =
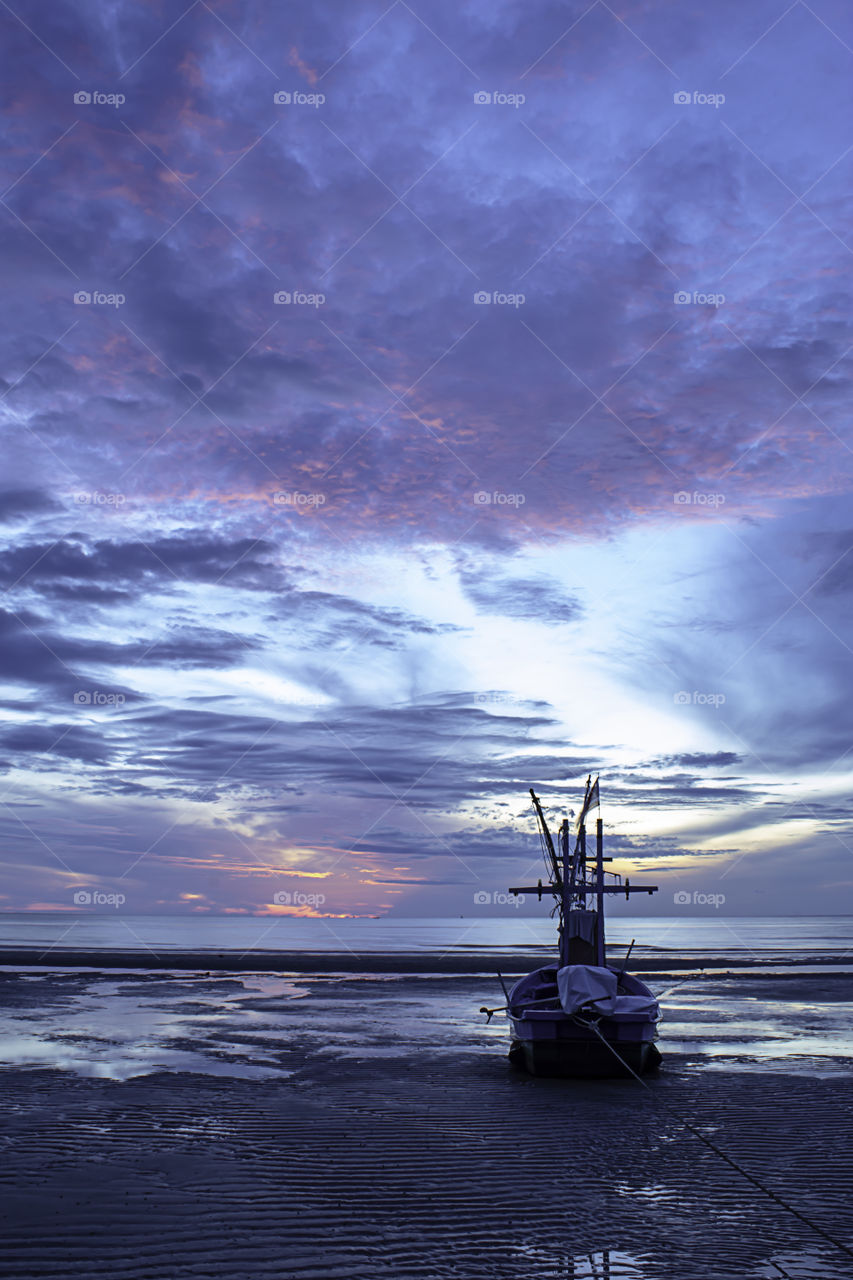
x: 713, y: 1146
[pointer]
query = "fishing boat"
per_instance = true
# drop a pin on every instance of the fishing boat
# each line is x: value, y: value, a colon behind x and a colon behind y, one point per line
x: 582, y: 1016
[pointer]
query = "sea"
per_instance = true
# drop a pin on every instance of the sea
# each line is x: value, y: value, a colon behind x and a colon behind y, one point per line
x: 716, y: 936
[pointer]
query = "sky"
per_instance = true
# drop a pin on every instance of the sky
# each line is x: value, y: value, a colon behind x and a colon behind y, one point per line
x: 404, y: 405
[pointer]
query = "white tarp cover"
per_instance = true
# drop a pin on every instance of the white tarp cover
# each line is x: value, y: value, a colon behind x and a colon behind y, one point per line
x: 646, y: 1005
x: 583, y: 984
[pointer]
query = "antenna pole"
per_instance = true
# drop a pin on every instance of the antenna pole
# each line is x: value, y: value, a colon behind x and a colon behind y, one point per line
x: 599, y: 893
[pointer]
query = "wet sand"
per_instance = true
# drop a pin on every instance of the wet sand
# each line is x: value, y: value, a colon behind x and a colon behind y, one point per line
x: 387, y: 1136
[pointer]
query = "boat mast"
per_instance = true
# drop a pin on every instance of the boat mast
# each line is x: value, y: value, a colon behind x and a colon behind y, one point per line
x: 566, y: 888
x: 599, y: 893
x: 581, y: 939
x: 546, y: 837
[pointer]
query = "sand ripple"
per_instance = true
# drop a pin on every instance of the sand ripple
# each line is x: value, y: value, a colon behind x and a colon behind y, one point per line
x: 430, y: 1168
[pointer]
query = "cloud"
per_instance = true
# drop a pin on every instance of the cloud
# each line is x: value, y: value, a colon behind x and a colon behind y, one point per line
x: 668, y: 479
x: 492, y: 397
x: 18, y: 504
x: 536, y: 598
x: 125, y: 566
x: 695, y: 760
x: 323, y: 618
x: 33, y: 653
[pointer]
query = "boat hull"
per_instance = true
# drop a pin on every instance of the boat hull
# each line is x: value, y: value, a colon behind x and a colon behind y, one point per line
x: 584, y: 1059
x: 549, y: 1042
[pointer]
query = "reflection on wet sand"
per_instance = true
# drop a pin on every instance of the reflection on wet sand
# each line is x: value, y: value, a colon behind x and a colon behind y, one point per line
x: 266, y: 1025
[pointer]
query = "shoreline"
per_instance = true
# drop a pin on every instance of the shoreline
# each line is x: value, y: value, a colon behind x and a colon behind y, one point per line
x: 222, y: 961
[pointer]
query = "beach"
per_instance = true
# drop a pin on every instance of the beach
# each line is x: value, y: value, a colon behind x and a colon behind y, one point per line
x: 367, y: 1124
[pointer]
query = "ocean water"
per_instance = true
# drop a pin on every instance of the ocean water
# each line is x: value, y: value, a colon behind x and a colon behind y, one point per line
x: 760, y: 938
